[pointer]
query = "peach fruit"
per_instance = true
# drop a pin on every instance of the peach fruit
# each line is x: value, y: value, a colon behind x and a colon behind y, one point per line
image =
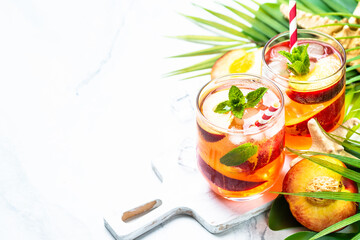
x: 316, y: 213
x: 238, y: 61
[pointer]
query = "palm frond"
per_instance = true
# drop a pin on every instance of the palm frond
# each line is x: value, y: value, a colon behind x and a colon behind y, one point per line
x: 254, y: 22
x: 196, y: 67
x: 256, y: 36
x: 211, y: 50
x: 217, y: 26
x: 343, y: 14
x: 209, y: 40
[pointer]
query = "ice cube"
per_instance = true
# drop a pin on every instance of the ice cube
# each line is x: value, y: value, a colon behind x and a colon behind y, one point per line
x: 312, y: 65
x: 250, y: 112
x: 315, y: 50
x: 238, y: 139
x: 279, y: 67
x: 270, y: 132
x: 276, y: 56
x: 210, y: 103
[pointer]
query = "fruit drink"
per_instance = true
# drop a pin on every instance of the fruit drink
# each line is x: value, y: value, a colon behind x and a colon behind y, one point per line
x: 219, y: 134
x: 319, y: 94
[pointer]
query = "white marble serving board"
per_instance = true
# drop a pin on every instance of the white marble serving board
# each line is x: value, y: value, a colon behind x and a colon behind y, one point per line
x: 185, y: 192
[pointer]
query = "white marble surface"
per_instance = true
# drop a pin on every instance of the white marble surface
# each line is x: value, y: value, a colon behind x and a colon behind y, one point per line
x: 84, y: 109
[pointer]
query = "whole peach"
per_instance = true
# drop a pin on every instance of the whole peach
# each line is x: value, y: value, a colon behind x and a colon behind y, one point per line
x: 316, y: 213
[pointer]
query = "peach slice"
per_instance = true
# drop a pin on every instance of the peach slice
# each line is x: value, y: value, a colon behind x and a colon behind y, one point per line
x: 328, y: 117
x: 223, y: 181
x: 316, y: 213
x: 237, y: 61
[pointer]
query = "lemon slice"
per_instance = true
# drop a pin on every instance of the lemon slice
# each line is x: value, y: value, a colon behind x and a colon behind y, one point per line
x: 237, y: 61
x: 322, y: 69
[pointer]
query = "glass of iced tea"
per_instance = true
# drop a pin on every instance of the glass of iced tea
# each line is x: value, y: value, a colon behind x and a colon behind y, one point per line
x: 319, y: 94
x: 240, y: 140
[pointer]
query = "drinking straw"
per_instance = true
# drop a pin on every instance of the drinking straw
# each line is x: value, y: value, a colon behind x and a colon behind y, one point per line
x: 267, y: 114
x: 292, y: 24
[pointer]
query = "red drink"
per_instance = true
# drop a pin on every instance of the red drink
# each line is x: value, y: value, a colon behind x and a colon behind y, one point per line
x: 319, y: 94
x: 218, y: 134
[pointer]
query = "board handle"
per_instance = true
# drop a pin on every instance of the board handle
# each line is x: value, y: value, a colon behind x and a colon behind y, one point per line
x: 132, y: 223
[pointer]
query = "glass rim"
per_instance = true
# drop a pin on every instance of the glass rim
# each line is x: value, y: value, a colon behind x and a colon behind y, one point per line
x: 310, y: 32
x: 242, y: 76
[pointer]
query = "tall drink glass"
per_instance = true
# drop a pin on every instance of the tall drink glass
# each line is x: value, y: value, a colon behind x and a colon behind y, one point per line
x: 320, y: 94
x: 218, y: 134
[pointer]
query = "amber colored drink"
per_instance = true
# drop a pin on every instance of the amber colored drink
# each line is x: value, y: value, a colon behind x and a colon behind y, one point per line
x: 220, y: 133
x: 320, y: 94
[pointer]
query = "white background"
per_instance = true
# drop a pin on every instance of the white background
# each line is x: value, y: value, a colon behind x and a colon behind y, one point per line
x: 84, y: 108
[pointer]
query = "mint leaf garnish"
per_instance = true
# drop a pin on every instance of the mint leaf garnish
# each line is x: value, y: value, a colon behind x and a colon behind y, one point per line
x: 254, y: 97
x: 299, y: 60
x: 223, y: 107
x: 237, y: 103
x: 239, y: 154
x: 236, y: 96
x: 238, y: 111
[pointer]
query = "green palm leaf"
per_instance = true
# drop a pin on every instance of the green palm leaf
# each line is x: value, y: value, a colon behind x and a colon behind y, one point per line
x: 317, y: 6
x: 255, y: 23
x: 344, y: 14
x: 352, y: 49
x: 196, y: 67
x: 206, y: 39
x: 342, y: 196
x: 217, y: 26
x: 256, y: 36
x: 342, y: 5
x: 212, y: 50
x: 265, y: 18
x: 348, y: 160
x: 337, y: 24
x: 337, y: 226
x: 348, y: 173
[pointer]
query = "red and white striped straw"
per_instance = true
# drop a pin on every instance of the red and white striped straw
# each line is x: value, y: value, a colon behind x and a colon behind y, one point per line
x: 292, y: 24
x: 267, y: 114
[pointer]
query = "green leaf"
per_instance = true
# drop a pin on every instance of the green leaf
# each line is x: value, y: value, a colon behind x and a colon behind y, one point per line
x: 265, y: 18
x: 197, y: 75
x: 341, y: 5
x: 353, y: 59
x: 235, y: 95
x: 199, y: 66
x: 337, y: 226
x: 337, y: 24
x: 348, y: 37
x: 348, y: 160
x: 256, y: 36
x: 239, y: 154
x: 223, y: 107
x: 280, y: 216
x: 238, y: 110
x: 317, y: 6
x: 335, y: 5
x: 217, y: 26
x: 344, y: 14
x: 348, y: 69
x: 343, y: 196
x: 306, y: 235
x: 352, y: 49
x: 299, y: 60
x: 273, y: 10
x: 255, y: 23
x: 208, y: 51
x: 352, y: 131
x: 348, y: 173
x: 352, y: 80
x: 206, y: 39
x: 254, y: 97
x: 357, y: 237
